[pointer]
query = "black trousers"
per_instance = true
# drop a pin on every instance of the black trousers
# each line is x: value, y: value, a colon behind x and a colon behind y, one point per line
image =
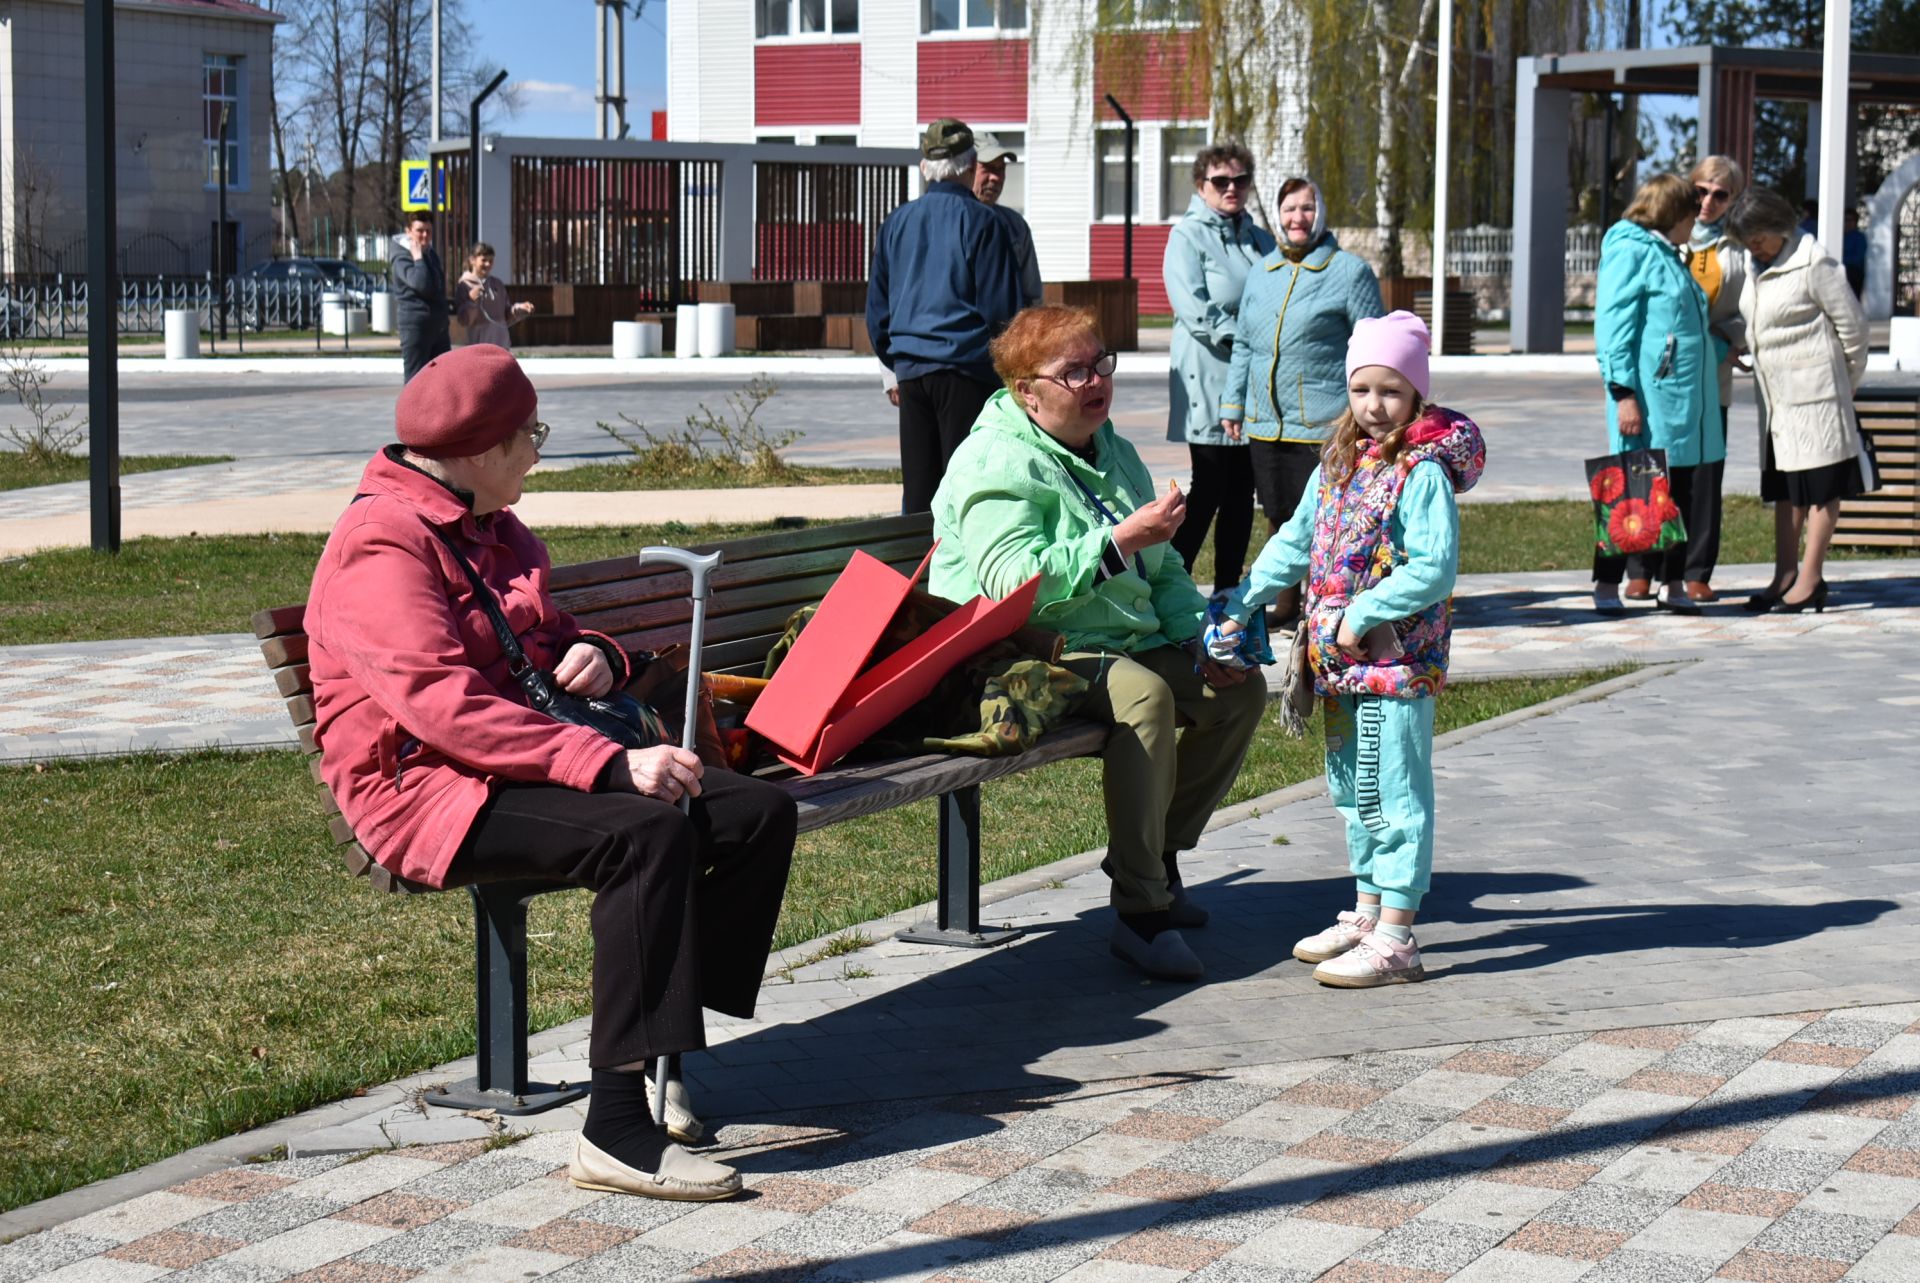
x: 420, y: 344
x: 684, y: 905
x: 1221, y: 496
x: 1703, y: 518
x: 1669, y: 565
x: 937, y: 410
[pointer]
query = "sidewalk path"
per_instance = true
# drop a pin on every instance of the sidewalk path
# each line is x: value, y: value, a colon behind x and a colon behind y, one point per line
x: 100, y: 698
x: 1672, y: 1032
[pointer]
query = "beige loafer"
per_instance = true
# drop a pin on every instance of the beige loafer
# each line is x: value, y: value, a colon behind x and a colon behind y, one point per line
x: 681, y: 1177
x: 682, y: 1126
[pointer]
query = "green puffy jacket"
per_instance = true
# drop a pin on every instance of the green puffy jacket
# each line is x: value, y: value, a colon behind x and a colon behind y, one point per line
x: 1009, y: 508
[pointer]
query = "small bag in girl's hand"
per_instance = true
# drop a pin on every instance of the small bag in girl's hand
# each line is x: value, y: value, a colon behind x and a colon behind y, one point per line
x: 1633, y: 507
x: 1246, y: 648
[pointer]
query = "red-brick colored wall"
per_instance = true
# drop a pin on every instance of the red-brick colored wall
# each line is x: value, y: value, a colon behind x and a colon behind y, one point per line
x: 806, y: 84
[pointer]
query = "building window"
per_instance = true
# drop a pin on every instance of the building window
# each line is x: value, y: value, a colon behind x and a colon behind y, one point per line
x: 220, y: 95
x: 1110, y: 160
x: 981, y: 16
x: 1149, y: 13
x: 806, y: 18
x: 1178, y: 147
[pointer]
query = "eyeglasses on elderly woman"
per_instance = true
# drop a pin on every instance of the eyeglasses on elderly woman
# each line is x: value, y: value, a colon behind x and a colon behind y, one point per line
x: 1081, y: 375
x: 540, y: 432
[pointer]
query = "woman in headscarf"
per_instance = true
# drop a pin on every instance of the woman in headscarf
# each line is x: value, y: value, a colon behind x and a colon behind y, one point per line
x: 1288, y: 380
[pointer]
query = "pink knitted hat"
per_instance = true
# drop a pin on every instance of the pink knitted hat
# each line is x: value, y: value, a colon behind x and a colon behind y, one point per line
x: 1399, y: 341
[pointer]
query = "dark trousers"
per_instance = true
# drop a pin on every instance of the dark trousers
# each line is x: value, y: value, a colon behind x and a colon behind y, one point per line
x: 1703, y: 518
x: 420, y: 344
x: 1669, y: 565
x: 684, y: 905
x: 937, y: 410
x: 1221, y: 496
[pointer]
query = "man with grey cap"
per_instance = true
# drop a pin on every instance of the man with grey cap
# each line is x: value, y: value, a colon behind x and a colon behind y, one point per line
x: 944, y: 282
x: 989, y: 182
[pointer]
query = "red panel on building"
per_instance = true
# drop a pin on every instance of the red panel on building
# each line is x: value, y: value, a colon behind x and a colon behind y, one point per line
x: 1107, y: 257
x: 806, y: 84
x: 983, y: 80
x: 1156, y: 76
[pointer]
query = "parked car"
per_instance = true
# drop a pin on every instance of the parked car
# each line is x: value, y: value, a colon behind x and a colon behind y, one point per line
x: 327, y: 273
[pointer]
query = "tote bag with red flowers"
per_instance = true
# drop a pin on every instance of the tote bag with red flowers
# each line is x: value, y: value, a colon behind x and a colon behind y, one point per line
x: 1633, y: 507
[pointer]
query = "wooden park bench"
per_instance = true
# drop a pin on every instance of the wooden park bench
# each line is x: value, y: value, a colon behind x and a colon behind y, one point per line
x: 763, y: 580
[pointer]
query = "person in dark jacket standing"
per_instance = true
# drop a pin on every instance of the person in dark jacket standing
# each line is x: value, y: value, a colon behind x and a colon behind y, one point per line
x: 421, y: 307
x: 945, y: 281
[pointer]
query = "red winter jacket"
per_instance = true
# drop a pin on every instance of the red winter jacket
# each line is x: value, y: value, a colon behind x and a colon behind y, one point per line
x: 415, y: 713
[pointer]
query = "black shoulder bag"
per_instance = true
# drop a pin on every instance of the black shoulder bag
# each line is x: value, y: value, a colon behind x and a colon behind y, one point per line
x: 616, y: 715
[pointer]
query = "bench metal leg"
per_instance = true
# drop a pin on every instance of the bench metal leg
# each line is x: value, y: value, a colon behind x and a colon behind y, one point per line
x: 958, y: 921
x: 500, y: 980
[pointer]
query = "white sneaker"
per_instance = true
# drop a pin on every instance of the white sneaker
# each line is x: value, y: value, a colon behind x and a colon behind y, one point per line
x: 1376, y: 960
x: 1347, y: 930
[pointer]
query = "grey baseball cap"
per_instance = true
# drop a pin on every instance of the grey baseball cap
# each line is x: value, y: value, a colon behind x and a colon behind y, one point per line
x: 989, y: 149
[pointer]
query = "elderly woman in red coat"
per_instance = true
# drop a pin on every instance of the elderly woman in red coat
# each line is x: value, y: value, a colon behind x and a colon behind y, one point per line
x: 449, y: 778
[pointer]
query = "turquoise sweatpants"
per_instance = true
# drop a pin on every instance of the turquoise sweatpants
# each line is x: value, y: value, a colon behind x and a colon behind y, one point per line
x: 1380, y: 776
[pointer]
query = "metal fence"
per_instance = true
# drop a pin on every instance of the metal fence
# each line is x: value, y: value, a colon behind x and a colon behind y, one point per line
x: 592, y: 220
x: 1488, y: 251
x: 57, y: 309
x: 819, y: 222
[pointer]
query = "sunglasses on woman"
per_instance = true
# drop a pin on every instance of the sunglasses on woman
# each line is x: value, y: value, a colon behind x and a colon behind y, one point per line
x: 1704, y: 194
x: 1221, y: 182
x: 1081, y: 375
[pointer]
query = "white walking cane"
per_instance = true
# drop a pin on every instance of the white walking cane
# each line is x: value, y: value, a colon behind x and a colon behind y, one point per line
x: 699, y: 569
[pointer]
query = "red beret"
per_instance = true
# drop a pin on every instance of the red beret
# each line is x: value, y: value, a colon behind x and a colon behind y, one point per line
x: 464, y: 402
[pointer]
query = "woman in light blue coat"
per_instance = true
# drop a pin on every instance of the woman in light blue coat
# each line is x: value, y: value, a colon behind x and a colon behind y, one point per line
x: 1661, y: 370
x: 1288, y: 382
x: 1209, y: 253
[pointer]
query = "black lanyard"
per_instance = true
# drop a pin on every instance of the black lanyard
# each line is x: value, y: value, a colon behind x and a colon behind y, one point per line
x: 1106, y: 514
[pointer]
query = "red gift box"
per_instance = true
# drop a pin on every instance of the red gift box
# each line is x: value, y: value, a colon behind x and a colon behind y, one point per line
x: 821, y: 704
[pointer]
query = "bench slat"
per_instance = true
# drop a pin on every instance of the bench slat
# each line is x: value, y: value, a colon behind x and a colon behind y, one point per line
x: 279, y: 619
x: 294, y: 679
x: 282, y: 651
x: 776, y: 544
x: 670, y: 589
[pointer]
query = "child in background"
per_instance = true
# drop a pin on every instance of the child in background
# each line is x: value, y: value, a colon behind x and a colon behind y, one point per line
x: 1379, y: 547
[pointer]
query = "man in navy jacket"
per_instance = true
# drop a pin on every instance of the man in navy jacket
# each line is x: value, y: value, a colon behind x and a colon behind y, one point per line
x: 945, y: 281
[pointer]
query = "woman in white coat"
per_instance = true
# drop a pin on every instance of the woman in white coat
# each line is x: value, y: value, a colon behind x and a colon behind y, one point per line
x: 1809, y: 343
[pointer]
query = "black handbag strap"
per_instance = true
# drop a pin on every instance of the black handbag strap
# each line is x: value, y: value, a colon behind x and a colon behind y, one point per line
x: 517, y: 663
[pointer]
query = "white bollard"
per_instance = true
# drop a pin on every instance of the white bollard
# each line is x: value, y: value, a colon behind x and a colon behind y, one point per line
x: 626, y: 340
x: 183, y: 334
x: 651, y: 337
x: 381, y: 303
x: 686, y: 330
x: 1904, y: 342
x: 716, y: 329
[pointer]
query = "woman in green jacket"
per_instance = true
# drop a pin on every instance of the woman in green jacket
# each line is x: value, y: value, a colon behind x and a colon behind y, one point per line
x: 1209, y: 253
x: 1044, y: 486
x: 1288, y: 381
x: 1661, y: 368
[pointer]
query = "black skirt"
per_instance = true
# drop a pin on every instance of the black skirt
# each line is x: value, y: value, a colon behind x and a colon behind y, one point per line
x: 1828, y: 483
x: 1773, y: 482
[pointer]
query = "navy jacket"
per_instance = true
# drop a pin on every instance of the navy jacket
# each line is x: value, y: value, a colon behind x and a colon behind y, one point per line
x: 945, y: 280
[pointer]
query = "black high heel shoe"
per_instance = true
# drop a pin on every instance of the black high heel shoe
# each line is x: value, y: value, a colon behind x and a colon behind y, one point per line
x: 1816, y: 599
x: 1767, y: 599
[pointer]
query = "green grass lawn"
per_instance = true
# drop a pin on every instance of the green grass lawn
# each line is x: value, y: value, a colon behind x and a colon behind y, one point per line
x: 183, y: 587
x: 182, y: 956
x: 619, y: 476
x: 16, y: 473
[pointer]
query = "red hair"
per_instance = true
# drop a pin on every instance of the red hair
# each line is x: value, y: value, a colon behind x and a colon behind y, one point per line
x: 1037, y: 336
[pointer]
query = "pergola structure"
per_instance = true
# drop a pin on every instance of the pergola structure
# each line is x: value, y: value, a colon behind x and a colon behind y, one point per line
x: 1727, y: 83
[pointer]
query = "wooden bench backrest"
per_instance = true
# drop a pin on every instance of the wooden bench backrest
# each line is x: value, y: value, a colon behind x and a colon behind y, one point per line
x: 764, y: 579
x: 1890, y: 516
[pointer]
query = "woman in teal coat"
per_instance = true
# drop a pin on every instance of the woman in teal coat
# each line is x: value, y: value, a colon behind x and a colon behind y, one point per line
x: 1660, y: 366
x: 1209, y: 253
x: 1288, y: 381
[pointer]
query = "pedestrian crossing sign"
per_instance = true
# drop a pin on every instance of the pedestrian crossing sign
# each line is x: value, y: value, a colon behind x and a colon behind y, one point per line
x: 417, y: 184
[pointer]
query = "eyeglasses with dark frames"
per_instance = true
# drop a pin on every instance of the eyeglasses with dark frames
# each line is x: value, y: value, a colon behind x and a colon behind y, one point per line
x: 540, y: 434
x: 1220, y: 182
x: 1081, y: 375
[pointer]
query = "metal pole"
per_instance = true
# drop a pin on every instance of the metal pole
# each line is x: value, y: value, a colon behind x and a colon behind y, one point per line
x: 473, y: 156
x: 619, y: 68
x: 1835, y: 112
x: 103, y: 288
x: 433, y: 109
x: 600, y: 68
x: 1441, y: 162
x: 1126, y: 244
x: 220, y: 264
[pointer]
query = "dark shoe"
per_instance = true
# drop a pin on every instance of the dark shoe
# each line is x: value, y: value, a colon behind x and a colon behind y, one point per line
x: 1183, y: 912
x: 1639, y: 590
x: 1675, y: 599
x: 1165, y: 957
x: 1816, y: 600
x: 1606, y: 600
x: 1700, y: 590
x: 1768, y: 597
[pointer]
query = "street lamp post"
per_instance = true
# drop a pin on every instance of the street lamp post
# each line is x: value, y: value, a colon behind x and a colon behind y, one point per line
x: 103, y: 286
x: 473, y: 153
x: 1441, y: 162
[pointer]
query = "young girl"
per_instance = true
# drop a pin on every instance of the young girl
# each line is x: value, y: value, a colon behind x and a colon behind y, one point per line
x: 1379, y: 545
